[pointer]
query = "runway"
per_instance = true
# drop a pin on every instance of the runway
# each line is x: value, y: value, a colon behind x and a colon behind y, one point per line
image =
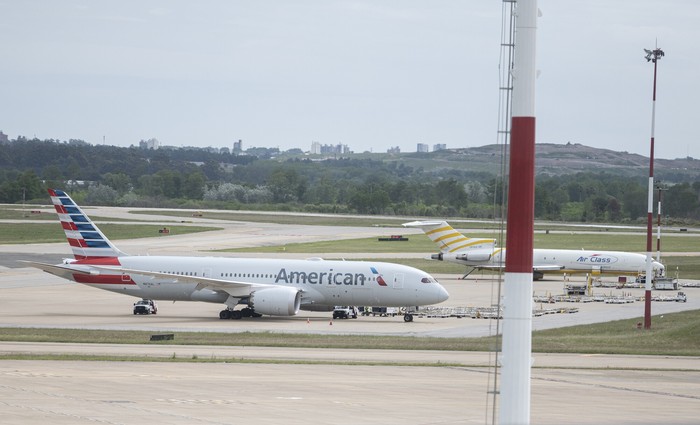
x: 284, y: 388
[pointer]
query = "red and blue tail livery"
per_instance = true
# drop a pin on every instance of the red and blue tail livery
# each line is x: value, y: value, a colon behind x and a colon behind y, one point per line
x: 85, y: 239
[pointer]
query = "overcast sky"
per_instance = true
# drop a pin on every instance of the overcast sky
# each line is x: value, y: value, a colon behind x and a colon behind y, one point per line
x: 370, y: 74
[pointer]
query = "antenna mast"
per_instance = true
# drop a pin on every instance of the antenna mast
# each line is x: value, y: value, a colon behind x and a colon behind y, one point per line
x: 517, y: 300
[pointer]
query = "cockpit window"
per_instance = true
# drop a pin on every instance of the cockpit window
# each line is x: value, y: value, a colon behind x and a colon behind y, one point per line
x: 428, y: 280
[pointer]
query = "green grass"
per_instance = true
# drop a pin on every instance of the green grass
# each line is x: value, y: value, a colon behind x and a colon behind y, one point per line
x: 17, y: 213
x: 262, y: 217
x: 212, y: 359
x: 417, y: 243
x: 421, y: 243
x: 676, y: 334
x: 684, y: 267
x: 26, y: 233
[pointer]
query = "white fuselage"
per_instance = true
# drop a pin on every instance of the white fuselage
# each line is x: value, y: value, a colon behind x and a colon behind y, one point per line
x: 322, y: 282
x: 562, y: 261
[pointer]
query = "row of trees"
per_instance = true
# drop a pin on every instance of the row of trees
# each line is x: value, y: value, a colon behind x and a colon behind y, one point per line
x: 137, y: 177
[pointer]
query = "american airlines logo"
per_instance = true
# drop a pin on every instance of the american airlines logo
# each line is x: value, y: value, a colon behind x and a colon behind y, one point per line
x: 380, y: 279
x: 320, y: 278
x: 597, y: 259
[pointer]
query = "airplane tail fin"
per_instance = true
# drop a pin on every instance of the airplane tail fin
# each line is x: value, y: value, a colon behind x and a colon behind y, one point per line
x: 449, y: 239
x: 84, y: 238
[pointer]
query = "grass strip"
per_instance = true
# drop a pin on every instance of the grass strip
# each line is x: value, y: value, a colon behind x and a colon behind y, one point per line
x: 421, y: 243
x: 675, y: 334
x: 26, y: 233
x: 213, y: 359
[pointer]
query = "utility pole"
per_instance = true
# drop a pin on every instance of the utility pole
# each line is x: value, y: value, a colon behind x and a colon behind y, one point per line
x: 517, y: 288
x: 651, y: 56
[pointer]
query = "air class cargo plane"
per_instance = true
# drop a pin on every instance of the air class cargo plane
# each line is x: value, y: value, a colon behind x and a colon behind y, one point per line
x: 483, y: 254
x: 277, y: 287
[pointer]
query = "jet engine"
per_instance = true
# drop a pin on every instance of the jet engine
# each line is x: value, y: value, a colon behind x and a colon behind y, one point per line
x: 281, y: 301
x: 474, y: 256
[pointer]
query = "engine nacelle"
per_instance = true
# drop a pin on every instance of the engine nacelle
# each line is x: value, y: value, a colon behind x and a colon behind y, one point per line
x: 280, y: 301
x: 474, y: 256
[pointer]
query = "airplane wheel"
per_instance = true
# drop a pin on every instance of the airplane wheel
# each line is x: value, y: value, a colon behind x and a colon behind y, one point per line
x: 224, y: 314
x: 236, y: 315
x: 408, y: 318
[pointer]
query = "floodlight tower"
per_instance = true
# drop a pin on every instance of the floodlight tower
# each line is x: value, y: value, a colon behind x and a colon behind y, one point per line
x: 651, y: 56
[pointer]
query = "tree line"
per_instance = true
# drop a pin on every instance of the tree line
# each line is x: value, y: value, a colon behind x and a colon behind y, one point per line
x: 198, y: 178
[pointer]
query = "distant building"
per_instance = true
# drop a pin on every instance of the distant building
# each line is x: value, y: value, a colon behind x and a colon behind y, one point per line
x: 319, y: 149
x: 149, y: 144
x: 3, y: 138
x: 439, y: 147
x: 395, y: 149
x: 423, y: 147
x: 224, y: 150
x: 238, y: 146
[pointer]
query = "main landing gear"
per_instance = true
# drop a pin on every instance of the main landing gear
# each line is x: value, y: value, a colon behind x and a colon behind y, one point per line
x: 238, y: 314
x: 408, y: 317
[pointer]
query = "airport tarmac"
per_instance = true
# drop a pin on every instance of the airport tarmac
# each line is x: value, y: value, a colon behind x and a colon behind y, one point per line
x: 70, y: 392
x: 572, y: 389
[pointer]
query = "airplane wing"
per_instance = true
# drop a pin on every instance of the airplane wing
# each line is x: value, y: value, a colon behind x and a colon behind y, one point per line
x: 237, y: 289
x: 547, y: 267
x: 536, y: 268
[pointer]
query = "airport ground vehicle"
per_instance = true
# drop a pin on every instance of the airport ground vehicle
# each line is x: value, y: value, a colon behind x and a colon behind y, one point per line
x: 145, y: 307
x: 381, y: 311
x: 345, y: 312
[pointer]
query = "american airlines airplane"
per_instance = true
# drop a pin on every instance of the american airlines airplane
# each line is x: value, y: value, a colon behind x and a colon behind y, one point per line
x: 277, y: 287
x: 483, y: 254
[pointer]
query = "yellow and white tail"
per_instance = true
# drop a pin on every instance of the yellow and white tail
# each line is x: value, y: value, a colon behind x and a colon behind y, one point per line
x: 448, y: 239
x: 84, y: 238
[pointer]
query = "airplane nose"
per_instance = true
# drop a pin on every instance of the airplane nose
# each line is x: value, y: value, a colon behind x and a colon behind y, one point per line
x: 442, y: 294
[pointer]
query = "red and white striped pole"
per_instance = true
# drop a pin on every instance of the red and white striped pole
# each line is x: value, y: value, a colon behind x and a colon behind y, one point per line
x: 516, y: 353
x: 651, y: 56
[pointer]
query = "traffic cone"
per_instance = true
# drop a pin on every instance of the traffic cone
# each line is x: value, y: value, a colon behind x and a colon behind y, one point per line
x: 331, y: 323
x: 307, y: 321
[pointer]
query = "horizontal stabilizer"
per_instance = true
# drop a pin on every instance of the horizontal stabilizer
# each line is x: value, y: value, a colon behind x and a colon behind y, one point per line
x: 422, y: 224
x: 60, y: 269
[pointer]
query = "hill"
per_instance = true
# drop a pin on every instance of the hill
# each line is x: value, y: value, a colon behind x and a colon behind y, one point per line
x: 555, y: 159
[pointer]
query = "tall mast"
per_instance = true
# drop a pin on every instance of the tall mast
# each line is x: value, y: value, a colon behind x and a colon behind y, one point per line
x: 651, y: 56
x: 514, y: 405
